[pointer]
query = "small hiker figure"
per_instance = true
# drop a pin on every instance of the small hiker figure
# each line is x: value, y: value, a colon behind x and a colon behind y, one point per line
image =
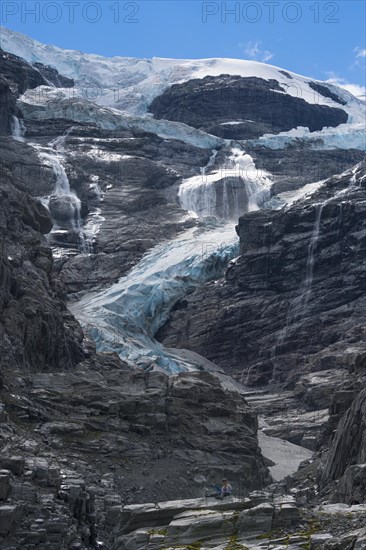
x: 221, y: 492
x: 354, y: 501
x: 226, y: 489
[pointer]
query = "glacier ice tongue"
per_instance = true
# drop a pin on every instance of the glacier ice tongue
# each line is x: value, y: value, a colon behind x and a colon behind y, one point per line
x: 125, y: 317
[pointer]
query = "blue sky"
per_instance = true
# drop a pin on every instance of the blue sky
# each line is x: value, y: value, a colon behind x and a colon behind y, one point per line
x: 322, y: 39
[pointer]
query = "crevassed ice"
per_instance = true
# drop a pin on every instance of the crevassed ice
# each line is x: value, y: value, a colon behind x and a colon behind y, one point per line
x: 344, y: 136
x: 125, y: 317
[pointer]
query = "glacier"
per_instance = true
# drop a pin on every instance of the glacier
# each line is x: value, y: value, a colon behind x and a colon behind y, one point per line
x: 131, y: 84
x: 114, y: 93
x: 45, y: 103
x: 125, y: 317
x: 344, y: 136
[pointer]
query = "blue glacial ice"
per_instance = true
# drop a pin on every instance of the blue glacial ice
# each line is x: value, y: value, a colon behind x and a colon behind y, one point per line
x: 125, y: 317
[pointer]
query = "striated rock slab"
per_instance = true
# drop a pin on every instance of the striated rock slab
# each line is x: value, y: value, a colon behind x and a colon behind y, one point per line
x: 206, y: 524
x: 181, y: 427
x: 348, y: 447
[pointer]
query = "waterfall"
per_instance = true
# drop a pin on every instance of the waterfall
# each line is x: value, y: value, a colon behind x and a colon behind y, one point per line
x: 62, y: 186
x: 90, y: 230
x: 59, y: 142
x: 63, y: 203
x: 311, y: 257
x: 298, y: 305
x: 227, y: 192
x: 17, y: 129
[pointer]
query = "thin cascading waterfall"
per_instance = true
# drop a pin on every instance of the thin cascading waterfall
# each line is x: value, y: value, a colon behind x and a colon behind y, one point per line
x: 211, y: 162
x: 90, y: 229
x: 305, y: 295
x: 225, y: 200
x: 245, y: 377
x: 299, y: 304
x: 62, y: 185
x: 59, y: 142
x: 17, y: 129
x: 53, y: 155
x: 197, y: 194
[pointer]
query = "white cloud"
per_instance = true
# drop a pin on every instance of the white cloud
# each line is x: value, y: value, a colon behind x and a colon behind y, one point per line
x: 360, y: 58
x: 360, y: 52
x: 253, y: 51
x: 358, y: 90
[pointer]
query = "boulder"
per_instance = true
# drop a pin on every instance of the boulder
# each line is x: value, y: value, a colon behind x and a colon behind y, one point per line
x: 352, y: 485
x: 9, y: 514
x: 256, y: 521
x: 14, y: 463
x: 286, y: 515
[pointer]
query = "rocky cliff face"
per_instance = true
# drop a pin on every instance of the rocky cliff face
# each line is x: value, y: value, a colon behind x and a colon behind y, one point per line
x: 161, y: 437
x: 155, y: 436
x: 37, y: 331
x: 16, y: 77
x: 233, y: 107
x: 85, y: 435
x: 286, y: 306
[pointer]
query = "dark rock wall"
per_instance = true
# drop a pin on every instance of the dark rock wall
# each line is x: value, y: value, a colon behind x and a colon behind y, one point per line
x: 262, y: 105
x: 349, y: 445
x: 37, y: 331
x: 266, y: 321
x: 17, y: 76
